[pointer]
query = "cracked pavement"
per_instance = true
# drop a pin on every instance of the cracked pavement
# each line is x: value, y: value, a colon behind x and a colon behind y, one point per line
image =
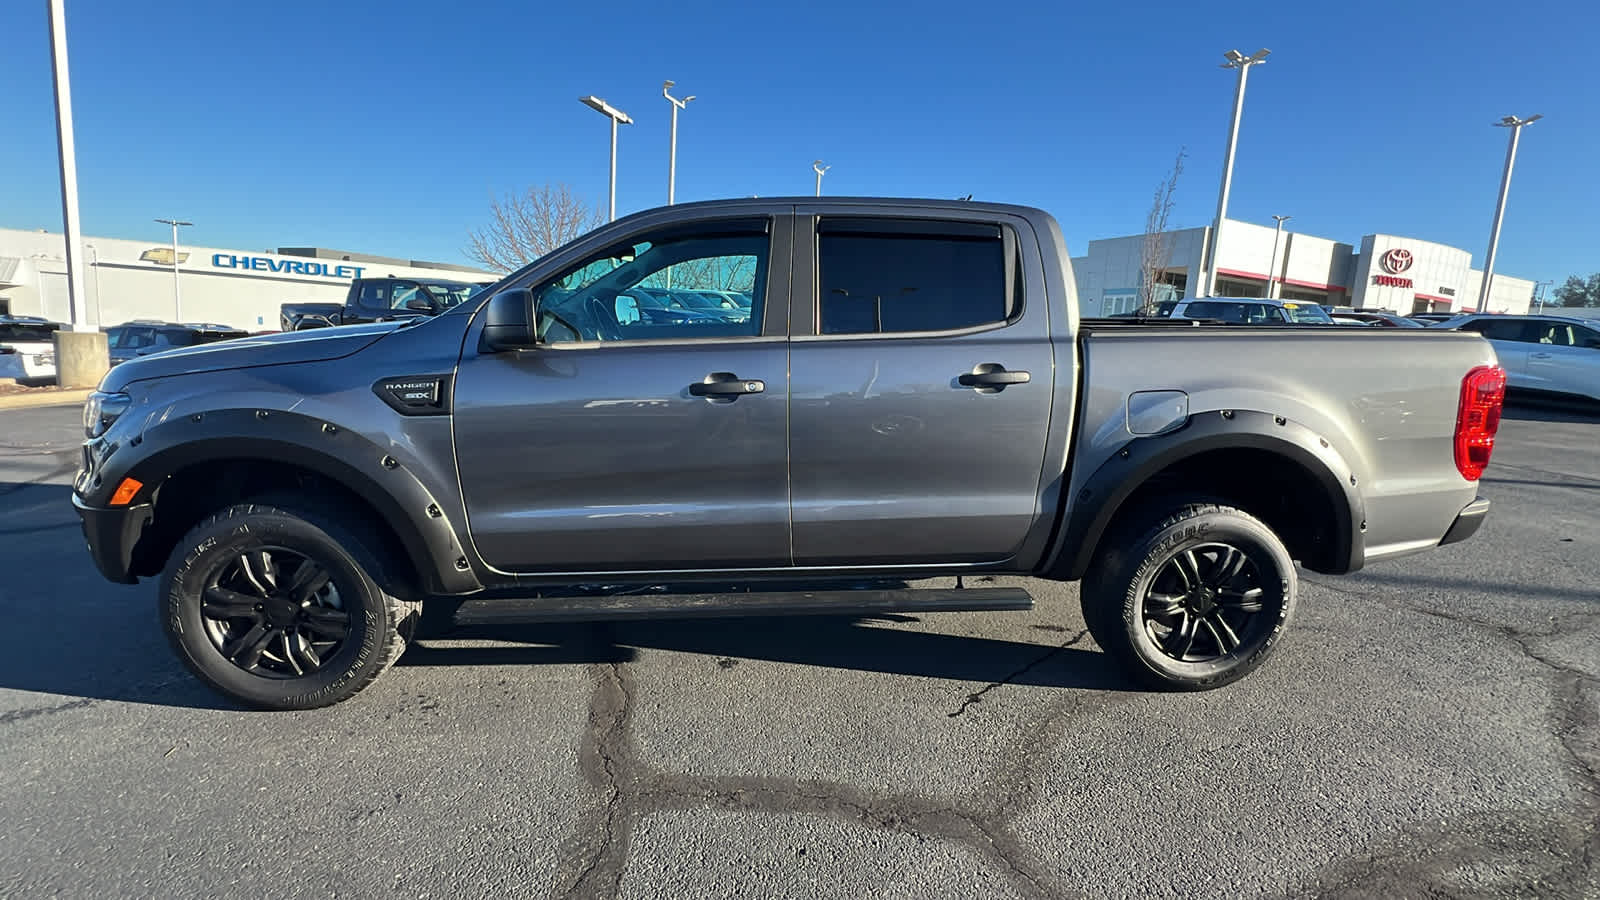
x: 1430, y: 728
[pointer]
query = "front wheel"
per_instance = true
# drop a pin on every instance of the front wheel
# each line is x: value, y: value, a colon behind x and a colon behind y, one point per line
x: 280, y: 608
x: 1191, y: 600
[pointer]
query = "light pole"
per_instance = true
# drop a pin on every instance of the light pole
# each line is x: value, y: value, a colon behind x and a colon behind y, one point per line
x: 819, y: 168
x: 177, y: 297
x: 1272, y: 274
x: 1515, y: 124
x: 672, y: 153
x: 1539, y: 292
x: 77, y: 314
x: 1235, y: 60
x: 616, y: 116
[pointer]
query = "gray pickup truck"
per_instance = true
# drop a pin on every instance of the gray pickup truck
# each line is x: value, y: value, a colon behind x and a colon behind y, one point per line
x: 913, y: 397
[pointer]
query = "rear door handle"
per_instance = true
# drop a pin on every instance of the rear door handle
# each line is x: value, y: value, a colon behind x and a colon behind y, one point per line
x: 993, y: 376
x: 1541, y: 356
x: 726, y: 386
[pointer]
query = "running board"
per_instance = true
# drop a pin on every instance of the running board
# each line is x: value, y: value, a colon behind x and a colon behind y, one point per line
x: 523, y: 611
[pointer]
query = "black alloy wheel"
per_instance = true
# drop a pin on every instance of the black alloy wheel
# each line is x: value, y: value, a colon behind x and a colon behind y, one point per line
x: 274, y: 612
x: 1204, y: 602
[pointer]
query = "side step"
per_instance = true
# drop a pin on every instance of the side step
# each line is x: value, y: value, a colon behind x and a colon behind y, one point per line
x: 531, y: 610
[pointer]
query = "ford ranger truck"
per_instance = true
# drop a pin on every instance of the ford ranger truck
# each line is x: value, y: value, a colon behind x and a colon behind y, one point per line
x: 913, y: 399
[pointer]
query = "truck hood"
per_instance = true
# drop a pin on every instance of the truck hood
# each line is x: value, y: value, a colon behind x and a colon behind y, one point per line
x: 315, y: 345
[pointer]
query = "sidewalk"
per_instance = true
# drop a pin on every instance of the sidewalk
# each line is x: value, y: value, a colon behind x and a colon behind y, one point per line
x: 28, y: 398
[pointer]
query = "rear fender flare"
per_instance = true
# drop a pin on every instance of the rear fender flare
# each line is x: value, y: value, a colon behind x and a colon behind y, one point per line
x: 1091, y: 510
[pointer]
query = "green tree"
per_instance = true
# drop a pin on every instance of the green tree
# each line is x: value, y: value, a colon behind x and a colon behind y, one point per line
x: 1579, y: 292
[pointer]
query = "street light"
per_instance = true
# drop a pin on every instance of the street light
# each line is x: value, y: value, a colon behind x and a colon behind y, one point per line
x: 1272, y: 273
x: 1538, y: 290
x: 1515, y: 124
x: 616, y: 116
x: 1235, y: 60
x: 819, y: 168
x: 177, y: 298
x: 672, y: 154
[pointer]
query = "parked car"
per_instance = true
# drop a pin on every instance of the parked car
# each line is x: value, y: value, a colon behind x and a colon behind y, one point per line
x: 381, y: 300
x: 913, y: 396
x: 28, y: 348
x: 1558, y: 355
x: 1382, y: 319
x: 1252, y: 311
x: 144, y: 337
x: 1351, y: 320
x: 1432, y: 317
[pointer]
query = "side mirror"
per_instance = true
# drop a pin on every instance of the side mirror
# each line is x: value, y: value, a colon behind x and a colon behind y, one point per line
x: 417, y: 304
x: 508, y: 321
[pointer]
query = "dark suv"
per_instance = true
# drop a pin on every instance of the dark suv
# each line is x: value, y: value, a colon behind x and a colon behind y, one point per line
x: 144, y: 337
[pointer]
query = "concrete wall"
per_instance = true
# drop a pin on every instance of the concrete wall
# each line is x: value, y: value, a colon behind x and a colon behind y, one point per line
x: 228, y: 286
x: 1506, y: 294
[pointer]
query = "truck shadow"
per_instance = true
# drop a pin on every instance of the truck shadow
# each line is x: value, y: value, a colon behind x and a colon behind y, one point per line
x: 71, y: 635
x: 854, y: 643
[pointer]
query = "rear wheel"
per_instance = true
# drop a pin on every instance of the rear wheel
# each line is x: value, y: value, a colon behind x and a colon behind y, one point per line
x: 1191, y: 600
x: 282, y: 609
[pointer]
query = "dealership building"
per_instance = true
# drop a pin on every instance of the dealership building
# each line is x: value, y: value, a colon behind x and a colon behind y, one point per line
x: 1401, y: 274
x: 127, y: 280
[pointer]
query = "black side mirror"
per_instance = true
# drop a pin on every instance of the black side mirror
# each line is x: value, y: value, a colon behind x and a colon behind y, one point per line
x: 508, y: 321
x: 417, y: 304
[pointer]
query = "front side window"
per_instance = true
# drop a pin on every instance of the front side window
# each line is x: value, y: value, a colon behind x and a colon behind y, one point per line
x: 1303, y: 314
x: 449, y: 294
x: 648, y: 289
x: 405, y: 292
x: 894, y: 281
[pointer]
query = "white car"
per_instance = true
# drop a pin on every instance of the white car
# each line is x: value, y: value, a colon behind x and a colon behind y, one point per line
x: 27, y: 348
x: 1551, y: 354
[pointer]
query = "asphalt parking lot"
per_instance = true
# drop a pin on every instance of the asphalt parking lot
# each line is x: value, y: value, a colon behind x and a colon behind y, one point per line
x: 1430, y: 728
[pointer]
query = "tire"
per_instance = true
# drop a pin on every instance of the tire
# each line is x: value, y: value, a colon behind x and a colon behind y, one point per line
x: 1193, y: 599
x: 243, y: 611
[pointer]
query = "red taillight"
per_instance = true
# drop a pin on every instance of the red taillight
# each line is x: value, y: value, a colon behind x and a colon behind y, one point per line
x: 1483, y: 391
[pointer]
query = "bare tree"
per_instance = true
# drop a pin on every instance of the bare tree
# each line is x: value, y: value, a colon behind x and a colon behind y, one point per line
x: 524, y: 227
x: 1156, y: 251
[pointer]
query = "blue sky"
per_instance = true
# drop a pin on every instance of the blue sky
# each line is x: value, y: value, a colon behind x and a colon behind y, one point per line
x: 386, y: 127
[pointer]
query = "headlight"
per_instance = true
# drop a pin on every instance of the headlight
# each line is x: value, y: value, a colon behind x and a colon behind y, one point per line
x: 101, y: 409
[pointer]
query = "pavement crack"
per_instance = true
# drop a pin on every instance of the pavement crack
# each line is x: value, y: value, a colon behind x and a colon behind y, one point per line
x: 978, y: 697
x: 606, y: 764
x: 20, y: 715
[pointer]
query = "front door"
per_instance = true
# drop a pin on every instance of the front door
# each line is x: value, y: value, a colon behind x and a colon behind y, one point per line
x: 921, y: 394
x: 636, y: 437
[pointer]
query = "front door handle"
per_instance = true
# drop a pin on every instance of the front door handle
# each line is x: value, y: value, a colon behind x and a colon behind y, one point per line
x: 1541, y: 356
x: 992, y: 377
x: 726, y: 386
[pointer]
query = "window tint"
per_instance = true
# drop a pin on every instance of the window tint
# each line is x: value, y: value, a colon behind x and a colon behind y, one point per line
x: 885, y: 283
x: 374, y: 294
x: 1500, y: 329
x: 1242, y: 313
x: 649, y: 289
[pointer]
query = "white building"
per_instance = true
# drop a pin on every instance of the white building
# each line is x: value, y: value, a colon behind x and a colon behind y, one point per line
x: 1400, y: 274
x: 126, y: 280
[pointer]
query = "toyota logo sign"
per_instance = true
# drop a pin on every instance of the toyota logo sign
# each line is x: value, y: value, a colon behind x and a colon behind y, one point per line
x: 1396, y: 261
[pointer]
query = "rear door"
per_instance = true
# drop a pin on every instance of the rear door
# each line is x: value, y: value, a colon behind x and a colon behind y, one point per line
x: 921, y: 377
x: 626, y: 443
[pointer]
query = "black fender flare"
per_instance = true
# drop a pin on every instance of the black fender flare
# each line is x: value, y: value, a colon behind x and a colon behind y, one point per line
x: 1091, y: 510
x: 336, y: 453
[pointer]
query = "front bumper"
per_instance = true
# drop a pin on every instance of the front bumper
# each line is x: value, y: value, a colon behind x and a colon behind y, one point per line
x: 1467, y: 522
x: 111, y: 534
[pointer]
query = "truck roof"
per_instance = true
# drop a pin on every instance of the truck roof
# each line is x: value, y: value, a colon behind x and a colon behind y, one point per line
x: 767, y: 203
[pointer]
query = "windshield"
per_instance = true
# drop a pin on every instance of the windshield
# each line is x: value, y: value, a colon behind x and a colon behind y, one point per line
x: 1307, y: 313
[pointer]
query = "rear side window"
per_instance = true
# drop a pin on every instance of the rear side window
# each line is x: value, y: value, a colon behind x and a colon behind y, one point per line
x: 881, y: 277
x: 1501, y: 329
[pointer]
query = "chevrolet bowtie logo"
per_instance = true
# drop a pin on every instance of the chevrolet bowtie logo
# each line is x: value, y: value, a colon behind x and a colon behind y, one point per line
x: 163, y: 256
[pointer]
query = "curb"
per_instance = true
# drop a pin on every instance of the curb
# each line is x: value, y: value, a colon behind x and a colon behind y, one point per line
x: 44, y: 398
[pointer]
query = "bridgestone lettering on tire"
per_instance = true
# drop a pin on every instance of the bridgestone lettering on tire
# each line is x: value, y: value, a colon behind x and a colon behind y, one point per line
x: 283, y: 608
x: 1192, y: 599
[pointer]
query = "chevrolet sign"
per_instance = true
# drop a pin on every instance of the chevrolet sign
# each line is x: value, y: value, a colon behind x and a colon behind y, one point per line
x: 294, y: 267
x: 163, y: 256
